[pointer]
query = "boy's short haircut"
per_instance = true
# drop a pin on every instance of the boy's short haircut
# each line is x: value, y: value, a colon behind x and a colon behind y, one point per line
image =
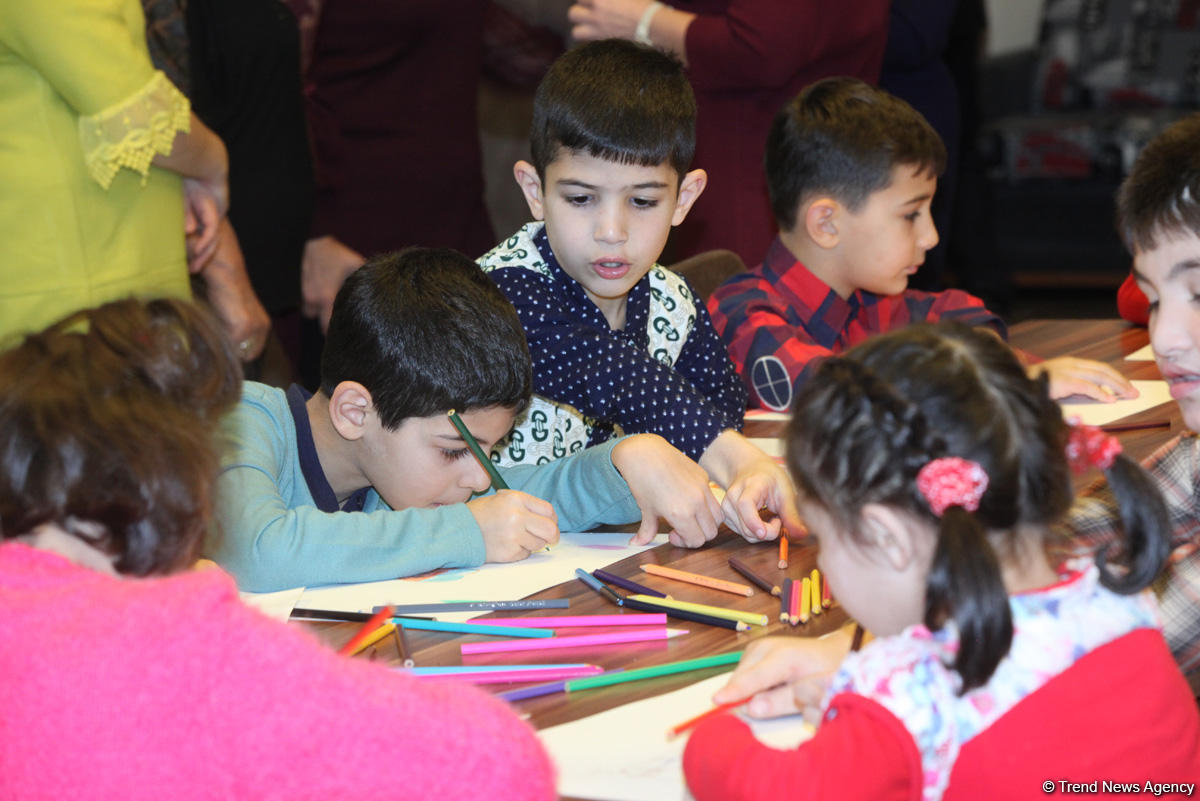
x: 615, y: 100
x: 843, y: 137
x: 424, y: 330
x: 1160, y: 198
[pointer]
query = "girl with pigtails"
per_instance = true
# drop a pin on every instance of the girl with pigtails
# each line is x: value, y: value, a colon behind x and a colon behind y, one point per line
x: 932, y: 470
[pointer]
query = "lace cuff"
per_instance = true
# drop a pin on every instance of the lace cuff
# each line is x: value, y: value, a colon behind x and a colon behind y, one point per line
x: 130, y: 133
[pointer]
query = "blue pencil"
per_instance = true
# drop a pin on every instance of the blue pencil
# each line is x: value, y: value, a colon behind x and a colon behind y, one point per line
x: 471, y: 628
x: 593, y: 582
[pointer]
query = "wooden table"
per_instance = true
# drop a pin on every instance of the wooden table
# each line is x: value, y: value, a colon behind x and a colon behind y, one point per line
x: 1105, y: 340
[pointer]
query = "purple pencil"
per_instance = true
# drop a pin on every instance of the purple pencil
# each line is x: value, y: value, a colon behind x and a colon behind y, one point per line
x: 536, y: 690
x: 628, y: 584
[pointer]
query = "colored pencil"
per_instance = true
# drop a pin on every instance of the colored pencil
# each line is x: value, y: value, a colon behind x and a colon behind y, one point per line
x: 614, y: 638
x: 370, y: 627
x: 696, y: 578
x: 1116, y: 428
x: 783, y: 550
x: 475, y: 628
x: 452, y: 670
x: 803, y: 602
x: 753, y: 618
x: 538, y: 690
x: 816, y: 592
x: 353, y: 617
x: 595, y: 584
x: 826, y: 596
x: 606, y: 679
x: 754, y: 578
x: 576, y: 621
x: 402, y: 646
x: 785, y: 599
x: 485, y: 462
x: 683, y: 614
x: 680, y: 728
x: 627, y: 584
x: 857, y: 640
x: 517, y: 676
x: 372, y: 638
x: 478, y: 606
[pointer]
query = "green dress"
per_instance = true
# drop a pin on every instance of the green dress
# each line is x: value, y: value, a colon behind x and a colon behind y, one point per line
x: 79, y: 100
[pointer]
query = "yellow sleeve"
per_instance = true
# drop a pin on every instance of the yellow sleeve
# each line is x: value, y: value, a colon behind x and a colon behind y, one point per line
x: 93, y: 54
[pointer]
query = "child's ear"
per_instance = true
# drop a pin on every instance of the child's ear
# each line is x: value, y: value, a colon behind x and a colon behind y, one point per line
x: 821, y: 221
x: 690, y: 188
x: 349, y: 406
x: 531, y: 187
x: 891, y: 534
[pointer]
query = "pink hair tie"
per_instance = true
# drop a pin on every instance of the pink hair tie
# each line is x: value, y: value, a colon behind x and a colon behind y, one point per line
x: 1089, y: 446
x: 952, y: 481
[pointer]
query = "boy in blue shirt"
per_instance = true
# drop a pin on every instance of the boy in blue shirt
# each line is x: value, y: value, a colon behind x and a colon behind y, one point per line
x: 368, y: 479
x: 620, y: 343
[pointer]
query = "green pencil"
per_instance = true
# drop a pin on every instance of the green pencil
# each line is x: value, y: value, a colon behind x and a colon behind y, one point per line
x: 605, y: 679
x: 497, y: 482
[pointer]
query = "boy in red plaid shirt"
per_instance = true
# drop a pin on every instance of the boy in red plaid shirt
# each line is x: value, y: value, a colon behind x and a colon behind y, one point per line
x: 851, y: 172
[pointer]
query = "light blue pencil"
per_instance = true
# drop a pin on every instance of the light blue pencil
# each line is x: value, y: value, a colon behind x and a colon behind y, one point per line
x: 471, y: 628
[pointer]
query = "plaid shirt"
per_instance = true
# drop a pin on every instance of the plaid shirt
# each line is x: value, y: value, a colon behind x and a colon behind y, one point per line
x: 1095, y: 521
x: 779, y: 319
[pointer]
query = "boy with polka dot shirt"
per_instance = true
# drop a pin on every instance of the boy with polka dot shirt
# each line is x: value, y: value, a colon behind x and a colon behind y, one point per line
x: 620, y: 343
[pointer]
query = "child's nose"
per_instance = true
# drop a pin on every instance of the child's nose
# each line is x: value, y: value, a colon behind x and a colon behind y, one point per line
x: 474, y: 477
x: 929, y: 235
x: 610, y: 227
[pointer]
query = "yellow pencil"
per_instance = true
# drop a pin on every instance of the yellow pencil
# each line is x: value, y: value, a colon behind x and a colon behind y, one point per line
x: 696, y: 578
x: 805, y: 599
x: 374, y: 637
x: 715, y: 611
x: 816, y: 592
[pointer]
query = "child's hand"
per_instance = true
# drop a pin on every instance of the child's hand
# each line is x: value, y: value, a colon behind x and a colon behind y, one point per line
x: 666, y: 483
x: 786, y: 675
x: 753, y: 481
x: 514, y: 524
x: 1071, y: 376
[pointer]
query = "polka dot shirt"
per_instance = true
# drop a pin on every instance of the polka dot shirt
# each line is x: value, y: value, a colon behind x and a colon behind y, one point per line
x: 610, y: 375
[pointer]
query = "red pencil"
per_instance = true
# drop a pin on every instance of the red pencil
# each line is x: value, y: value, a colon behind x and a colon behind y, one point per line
x: 675, y: 731
x: 367, y: 630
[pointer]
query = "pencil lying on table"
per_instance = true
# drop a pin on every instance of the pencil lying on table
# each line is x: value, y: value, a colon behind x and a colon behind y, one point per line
x: 1116, y: 428
x: 614, y: 638
x: 699, y: 580
x: 627, y: 584
x: 753, y: 618
x: 683, y: 614
x: 370, y: 627
x: 762, y: 583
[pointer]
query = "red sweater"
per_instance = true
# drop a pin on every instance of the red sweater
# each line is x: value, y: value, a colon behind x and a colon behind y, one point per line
x: 1121, y: 713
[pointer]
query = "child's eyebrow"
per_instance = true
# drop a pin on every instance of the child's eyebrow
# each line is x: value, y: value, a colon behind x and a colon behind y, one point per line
x: 582, y: 185
x: 917, y: 199
x: 1176, y: 270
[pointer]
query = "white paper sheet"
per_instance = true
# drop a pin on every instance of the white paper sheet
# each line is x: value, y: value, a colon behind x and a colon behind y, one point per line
x: 489, y: 582
x: 1095, y: 413
x: 623, y: 754
x: 771, y: 446
x: 1145, y: 354
x: 278, y: 605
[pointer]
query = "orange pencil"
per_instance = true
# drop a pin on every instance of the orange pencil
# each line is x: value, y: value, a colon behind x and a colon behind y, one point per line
x: 368, y: 628
x: 783, y: 548
x: 374, y: 637
x: 816, y: 592
x: 696, y: 578
x: 805, y: 599
x: 676, y: 730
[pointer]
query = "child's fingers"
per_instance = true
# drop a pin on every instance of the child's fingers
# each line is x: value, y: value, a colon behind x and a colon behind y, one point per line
x: 773, y: 703
x: 646, y: 531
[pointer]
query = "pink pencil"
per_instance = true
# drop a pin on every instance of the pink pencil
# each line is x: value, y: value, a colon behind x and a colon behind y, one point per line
x: 513, y: 676
x: 572, y: 621
x: 498, y: 646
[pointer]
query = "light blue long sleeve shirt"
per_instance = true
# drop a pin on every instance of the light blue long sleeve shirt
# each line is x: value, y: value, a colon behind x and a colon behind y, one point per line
x: 271, y: 534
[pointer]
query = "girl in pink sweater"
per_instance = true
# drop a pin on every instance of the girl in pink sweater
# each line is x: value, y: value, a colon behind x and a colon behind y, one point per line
x: 123, y: 674
x: 931, y: 471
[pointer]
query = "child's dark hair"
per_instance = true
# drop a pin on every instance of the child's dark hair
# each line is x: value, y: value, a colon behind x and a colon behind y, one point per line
x: 107, y: 424
x: 1161, y: 195
x: 616, y: 100
x: 843, y: 137
x: 424, y: 330
x: 870, y: 420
